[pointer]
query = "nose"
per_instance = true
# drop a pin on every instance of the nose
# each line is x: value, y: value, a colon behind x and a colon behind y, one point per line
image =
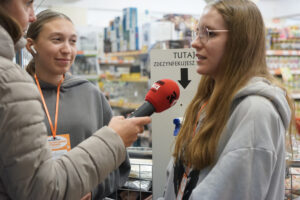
x: 66, y: 48
x: 32, y: 16
x: 196, y: 43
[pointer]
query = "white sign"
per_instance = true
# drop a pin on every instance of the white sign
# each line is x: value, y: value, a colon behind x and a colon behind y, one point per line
x: 180, y: 66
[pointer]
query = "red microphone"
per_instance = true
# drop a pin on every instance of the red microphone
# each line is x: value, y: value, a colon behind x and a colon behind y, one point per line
x: 162, y: 95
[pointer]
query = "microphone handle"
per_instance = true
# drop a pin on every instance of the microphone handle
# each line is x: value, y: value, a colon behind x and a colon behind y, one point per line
x: 146, y: 109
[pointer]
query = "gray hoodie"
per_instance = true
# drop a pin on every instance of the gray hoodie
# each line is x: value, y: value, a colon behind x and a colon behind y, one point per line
x: 251, y: 151
x: 83, y: 109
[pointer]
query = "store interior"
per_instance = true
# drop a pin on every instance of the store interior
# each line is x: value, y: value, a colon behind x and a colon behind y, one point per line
x: 115, y: 41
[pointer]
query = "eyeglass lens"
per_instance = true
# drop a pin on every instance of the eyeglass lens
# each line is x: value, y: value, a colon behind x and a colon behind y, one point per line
x: 202, y: 33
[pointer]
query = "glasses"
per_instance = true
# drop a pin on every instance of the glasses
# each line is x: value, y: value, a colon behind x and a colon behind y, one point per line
x: 205, y: 34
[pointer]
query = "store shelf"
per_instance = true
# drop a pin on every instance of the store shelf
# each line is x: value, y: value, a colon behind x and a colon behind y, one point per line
x: 143, y: 79
x: 294, y: 163
x: 128, y: 53
x: 122, y: 58
x: 89, y: 77
x: 283, y: 52
x: 116, y: 62
x: 140, y: 152
x: 87, y: 53
x: 295, y: 95
x: 278, y: 72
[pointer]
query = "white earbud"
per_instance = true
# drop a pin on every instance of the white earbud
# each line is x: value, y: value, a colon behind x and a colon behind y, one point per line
x: 33, y: 49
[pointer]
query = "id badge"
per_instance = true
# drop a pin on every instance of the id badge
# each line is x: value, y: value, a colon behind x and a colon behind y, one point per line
x: 59, y: 145
x: 182, y: 187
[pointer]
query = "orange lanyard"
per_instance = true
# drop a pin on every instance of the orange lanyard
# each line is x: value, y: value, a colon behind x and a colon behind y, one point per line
x: 186, y: 173
x: 53, y: 129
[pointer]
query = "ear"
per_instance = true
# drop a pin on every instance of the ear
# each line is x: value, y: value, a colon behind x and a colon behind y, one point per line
x: 29, y: 46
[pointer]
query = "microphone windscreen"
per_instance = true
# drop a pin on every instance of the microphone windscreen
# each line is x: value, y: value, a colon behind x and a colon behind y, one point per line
x: 163, y: 94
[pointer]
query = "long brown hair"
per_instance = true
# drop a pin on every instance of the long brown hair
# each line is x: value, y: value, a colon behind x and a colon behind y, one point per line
x: 9, y: 23
x: 244, y: 58
x: 36, y: 27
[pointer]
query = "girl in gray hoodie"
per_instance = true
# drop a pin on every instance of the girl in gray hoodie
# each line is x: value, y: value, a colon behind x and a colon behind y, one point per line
x: 231, y: 145
x: 76, y: 107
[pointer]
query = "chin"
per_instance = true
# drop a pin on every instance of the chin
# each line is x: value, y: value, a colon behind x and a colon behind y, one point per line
x: 203, y: 72
x: 63, y: 69
x: 200, y: 70
x: 60, y: 72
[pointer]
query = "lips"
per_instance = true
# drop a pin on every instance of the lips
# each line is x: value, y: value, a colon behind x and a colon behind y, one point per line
x: 63, y: 61
x: 200, y: 57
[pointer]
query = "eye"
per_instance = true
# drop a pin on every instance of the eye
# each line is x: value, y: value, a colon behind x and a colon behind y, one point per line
x: 211, y: 34
x: 29, y: 3
x: 56, y: 39
x: 73, y: 41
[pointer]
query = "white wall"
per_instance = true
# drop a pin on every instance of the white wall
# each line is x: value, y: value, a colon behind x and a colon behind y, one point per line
x: 100, y: 12
x: 77, y: 15
x: 285, y: 10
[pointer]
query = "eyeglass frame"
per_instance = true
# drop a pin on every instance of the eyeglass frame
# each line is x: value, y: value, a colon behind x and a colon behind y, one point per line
x: 196, y: 34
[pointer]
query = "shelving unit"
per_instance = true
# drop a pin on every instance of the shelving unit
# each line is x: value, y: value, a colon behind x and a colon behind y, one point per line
x: 86, y: 65
x: 124, y: 79
x: 283, y: 59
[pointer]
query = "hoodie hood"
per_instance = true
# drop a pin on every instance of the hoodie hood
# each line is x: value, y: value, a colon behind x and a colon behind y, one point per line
x: 69, y: 82
x: 263, y: 87
x: 7, y: 47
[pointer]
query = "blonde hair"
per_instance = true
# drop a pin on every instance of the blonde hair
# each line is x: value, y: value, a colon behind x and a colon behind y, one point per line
x: 36, y: 27
x: 9, y: 23
x: 244, y: 58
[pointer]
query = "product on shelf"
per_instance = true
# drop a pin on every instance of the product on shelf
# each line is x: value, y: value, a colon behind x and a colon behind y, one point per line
x: 284, y: 39
x: 123, y: 32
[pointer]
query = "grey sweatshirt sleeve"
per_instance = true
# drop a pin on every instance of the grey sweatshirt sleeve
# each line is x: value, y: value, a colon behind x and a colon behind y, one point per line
x: 107, y: 111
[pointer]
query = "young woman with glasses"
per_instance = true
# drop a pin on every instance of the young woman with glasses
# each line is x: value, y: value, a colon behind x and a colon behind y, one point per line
x: 231, y: 145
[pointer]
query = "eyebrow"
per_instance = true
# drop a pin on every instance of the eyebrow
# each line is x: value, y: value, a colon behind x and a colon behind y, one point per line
x: 204, y: 26
x: 211, y: 28
x: 60, y: 34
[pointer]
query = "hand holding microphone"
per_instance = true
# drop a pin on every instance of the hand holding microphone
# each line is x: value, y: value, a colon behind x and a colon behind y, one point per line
x: 128, y: 129
x: 162, y: 95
